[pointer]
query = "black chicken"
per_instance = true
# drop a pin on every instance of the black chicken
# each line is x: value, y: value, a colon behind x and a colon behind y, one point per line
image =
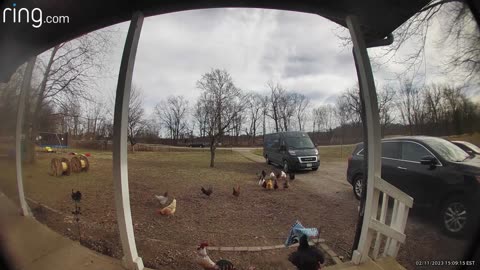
x: 76, y: 196
x: 306, y: 257
x: 207, y: 192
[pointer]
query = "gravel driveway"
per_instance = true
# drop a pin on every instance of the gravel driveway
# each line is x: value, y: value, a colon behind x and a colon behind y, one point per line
x: 425, y: 241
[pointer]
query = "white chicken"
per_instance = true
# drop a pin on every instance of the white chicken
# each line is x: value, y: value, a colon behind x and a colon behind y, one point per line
x: 163, y: 199
x: 203, y: 260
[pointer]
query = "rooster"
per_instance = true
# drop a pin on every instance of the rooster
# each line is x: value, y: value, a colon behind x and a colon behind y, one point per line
x: 208, y: 191
x: 261, y: 178
x: 170, y: 209
x: 306, y: 257
x: 206, y: 263
x: 236, y: 191
x: 162, y: 198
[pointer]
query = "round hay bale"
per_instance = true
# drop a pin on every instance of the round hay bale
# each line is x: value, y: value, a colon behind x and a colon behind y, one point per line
x: 76, y: 165
x: 67, y: 169
x: 56, y: 167
x: 84, y: 163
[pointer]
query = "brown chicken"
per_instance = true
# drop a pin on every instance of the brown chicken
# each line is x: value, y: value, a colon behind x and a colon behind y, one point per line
x: 170, y: 209
x: 208, y: 191
x: 236, y: 191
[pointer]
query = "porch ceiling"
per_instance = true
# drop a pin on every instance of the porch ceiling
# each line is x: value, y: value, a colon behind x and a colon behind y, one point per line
x: 19, y: 41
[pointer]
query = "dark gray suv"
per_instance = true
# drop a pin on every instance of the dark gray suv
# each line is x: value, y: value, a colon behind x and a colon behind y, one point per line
x: 434, y: 171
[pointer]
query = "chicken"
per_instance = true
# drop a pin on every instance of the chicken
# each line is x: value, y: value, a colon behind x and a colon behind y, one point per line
x: 261, y: 181
x: 206, y: 263
x: 264, y: 183
x: 236, y: 191
x: 275, y: 184
x: 272, y: 174
x: 291, y: 175
x: 208, y: 191
x: 76, y: 196
x: 269, y: 184
x: 261, y: 178
x: 306, y: 257
x: 162, y: 198
x: 170, y: 209
x: 202, y: 258
x: 283, y: 175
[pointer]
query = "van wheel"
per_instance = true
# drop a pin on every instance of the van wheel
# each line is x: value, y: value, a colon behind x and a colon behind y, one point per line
x: 358, y: 186
x: 268, y: 160
x: 456, y: 216
x: 285, y: 166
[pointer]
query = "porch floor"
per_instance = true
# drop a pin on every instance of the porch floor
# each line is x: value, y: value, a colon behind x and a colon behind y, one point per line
x: 387, y: 263
x: 32, y: 245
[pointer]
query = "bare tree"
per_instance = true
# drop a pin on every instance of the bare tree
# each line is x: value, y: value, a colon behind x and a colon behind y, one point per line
x: 286, y: 109
x: 350, y: 101
x: 255, y: 108
x: 172, y: 114
x: 300, y: 103
x: 136, y: 113
x: 386, y: 106
x: 222, y: 102
x: 200, y: 116
x: 67, y: 71
x: 410, y: 105
x: 276, y: 93
x: 324, y: 118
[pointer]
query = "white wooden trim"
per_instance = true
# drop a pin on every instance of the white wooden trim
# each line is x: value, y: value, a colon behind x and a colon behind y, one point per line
x: 369, y: 96
x: 383, y: 215
x: 393, y: 192
x: 27, y: 77
x: 387, y: 230
x: 131, y: 259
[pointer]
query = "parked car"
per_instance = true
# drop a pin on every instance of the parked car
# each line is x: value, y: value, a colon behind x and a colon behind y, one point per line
x: 292, y: 150
x: 435, y: 172
x: 468, y: 147
x: 202, y: 145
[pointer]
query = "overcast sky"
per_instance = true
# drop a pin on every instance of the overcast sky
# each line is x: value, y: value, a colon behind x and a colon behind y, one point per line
x: 301, y: 51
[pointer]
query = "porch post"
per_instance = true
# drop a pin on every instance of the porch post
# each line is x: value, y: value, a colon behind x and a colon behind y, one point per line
x: 369, y: 95
x: 27, y: 77
x: 120, y: 170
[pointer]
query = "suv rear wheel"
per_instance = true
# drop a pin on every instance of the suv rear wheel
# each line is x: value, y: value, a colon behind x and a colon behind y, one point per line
x: 456, y: 216
x: 358, y: 186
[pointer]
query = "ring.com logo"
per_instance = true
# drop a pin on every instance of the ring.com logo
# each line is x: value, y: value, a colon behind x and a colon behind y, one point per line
x: 34, y: 16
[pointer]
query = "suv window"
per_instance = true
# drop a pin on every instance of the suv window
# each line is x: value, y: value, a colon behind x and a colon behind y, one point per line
x: 391, y: 150
x: 413, y: 151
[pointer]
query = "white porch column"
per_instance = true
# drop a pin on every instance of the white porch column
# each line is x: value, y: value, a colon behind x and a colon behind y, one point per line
x: 120, y: 170
x: 27, y: 77
x: 369, y: 95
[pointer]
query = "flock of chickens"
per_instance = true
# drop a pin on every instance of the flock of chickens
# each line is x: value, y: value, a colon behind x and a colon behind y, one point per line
x: 305, y: 258
x: 269, y: 182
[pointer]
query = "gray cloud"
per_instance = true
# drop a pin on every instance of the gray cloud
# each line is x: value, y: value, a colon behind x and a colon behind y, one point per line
x: 301, y: 51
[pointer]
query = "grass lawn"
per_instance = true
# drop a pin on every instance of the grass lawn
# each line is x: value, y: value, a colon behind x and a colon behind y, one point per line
x: 256, y: 218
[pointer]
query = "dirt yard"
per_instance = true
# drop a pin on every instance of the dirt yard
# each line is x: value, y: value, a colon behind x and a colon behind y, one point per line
x: 256, y: 218
x: 321, y: 199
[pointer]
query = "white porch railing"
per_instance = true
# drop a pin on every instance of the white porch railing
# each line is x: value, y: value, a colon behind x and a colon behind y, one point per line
x: 387, y: 223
